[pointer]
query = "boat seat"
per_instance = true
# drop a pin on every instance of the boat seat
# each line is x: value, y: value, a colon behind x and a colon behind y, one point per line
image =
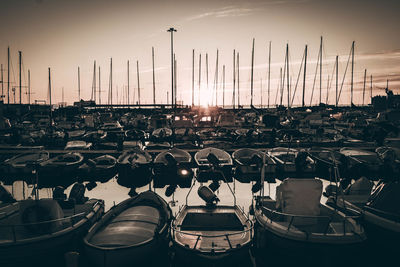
x: 300, y: 197
x: 361, y: 186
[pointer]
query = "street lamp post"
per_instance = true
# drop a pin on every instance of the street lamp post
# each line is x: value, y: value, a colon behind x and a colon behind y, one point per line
x: 172, y: 30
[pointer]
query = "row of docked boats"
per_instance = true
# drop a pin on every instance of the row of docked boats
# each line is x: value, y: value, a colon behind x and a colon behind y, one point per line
x: 295, y: 221
x: 136, y: 167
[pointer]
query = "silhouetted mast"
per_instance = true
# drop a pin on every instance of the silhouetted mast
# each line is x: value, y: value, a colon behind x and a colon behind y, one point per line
x: 223, y: 86
x: 20, y: 76
x: 365, y: 79
x: 352, y: 72
x: 337, y: 79
x: 261, y: 93
x: 29, y: 87
x: 93, y: 96
x: 234, y: 78
x: 154, y: 77
x: 269, y: 71
x: 216, y: 80
x: 199, y: 97
x: 371, y: 89
x: 79, y: 84
x: 2, y: 83
x: 8, y: 75
x: 208, y: 88
x: 287, y: 66
x: 127, y: 70
x: 252, y: 72
x: 320, y: 72
x: 192, y: 77
x: 305, y: 75
x: 50, y: 93
x: 138, y: 81
x: 99, y: 87
x: 110, y: 89
x: 238, y: 81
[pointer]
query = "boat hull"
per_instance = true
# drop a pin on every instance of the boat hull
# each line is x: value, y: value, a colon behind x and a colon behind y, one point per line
x: 48, y: 250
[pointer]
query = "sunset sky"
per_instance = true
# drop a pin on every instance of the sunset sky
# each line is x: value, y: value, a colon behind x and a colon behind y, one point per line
x: 65, y: 34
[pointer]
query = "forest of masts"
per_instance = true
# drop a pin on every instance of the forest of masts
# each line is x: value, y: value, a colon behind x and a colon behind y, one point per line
x: 20, y: 92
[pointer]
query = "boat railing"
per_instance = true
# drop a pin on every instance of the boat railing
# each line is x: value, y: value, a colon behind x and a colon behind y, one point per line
x: 36, y: 229
x: 199, y: 237
x: 278, y: 216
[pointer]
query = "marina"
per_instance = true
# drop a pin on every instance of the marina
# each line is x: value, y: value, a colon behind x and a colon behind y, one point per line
x: 199, y: 133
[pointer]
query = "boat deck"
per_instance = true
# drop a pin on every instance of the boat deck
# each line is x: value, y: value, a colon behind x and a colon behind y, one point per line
x: 217, y: 229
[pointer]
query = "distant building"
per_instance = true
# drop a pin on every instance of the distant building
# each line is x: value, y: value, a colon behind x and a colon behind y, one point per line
x: 84, y: 103
x: 390, y: 101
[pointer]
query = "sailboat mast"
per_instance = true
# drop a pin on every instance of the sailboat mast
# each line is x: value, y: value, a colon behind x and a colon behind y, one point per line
x: 20, y: 76
x: 252, y: 73
x: 288, y: 77
x: 320, y: 72
x: 138, y: 81
x: 8, y: 75
x: 261, y: 93
x: 127, y: 72
x: 238, y: 81
x: 234, y: 78
x: 99, y: 87
x: 371, y: 89
x: 207, y: 72
x: 79, y: 84
x: 110, y: 93
x: 154, y: 77
x: 304, y: 75
x: 223, y: 86
x: 192, y: 77
x: 2, y: 82
x: 365, y: 78
x: 337, y: 79
x: 269, y: 71
x: 216, y: 80
x: 352, y: 72
x: 199, y: 97
x: 279, y: 86
x: 50, y: 94
x: 29, y: 86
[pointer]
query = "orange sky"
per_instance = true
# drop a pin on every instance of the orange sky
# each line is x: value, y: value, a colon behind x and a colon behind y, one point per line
x: 65, y: 34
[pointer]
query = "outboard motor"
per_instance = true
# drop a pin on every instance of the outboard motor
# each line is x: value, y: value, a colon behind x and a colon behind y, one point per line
x: 78, y: 193
x: 58, y: 193
x: 213, y: 159
x: 171, y: 161
x: 170, y: 190
x: 256, y: 159
x: 207, y: 195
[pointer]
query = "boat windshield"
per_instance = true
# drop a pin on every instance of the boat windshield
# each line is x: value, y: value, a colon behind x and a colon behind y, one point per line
x: 212, y: 222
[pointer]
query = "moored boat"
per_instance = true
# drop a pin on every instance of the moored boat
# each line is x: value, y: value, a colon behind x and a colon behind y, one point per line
x: 39, y: 232
x: 213, y: 164
x: 211, y: 234
x: 101, y: 169
x: 299, y: 225
x: 22, y: 166
x: 134, y: 168
x: 60, y: 170
x: 249, y: 164
x: 133, y: 232
x: 173, y: 167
